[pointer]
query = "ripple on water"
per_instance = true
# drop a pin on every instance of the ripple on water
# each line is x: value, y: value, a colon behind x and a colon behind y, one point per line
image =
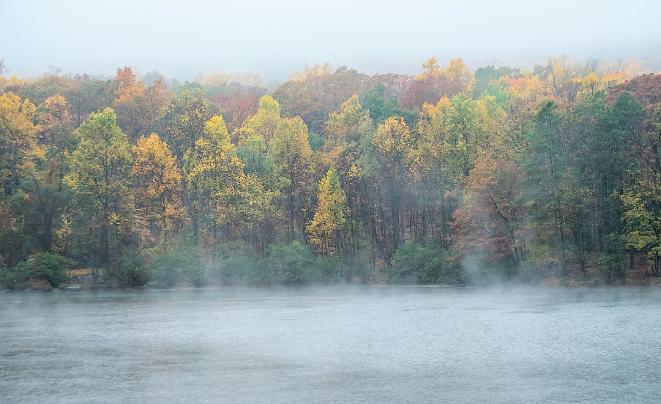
x: 329, y: 345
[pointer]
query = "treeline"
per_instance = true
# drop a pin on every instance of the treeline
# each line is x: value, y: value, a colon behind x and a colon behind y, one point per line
x: 445, y: 177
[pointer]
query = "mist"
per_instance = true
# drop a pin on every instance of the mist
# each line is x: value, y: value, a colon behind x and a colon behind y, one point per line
x: 181, y: 39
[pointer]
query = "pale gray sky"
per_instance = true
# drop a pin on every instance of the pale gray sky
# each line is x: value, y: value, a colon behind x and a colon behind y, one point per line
x: 180, y: 38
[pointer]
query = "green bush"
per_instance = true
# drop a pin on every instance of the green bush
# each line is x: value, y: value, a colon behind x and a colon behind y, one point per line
x: 166, y: 270
x: 128, y: 272
x: 421, y: 262
x: 329, y: 268
x: 239, y: 265
x: 175, y: 262
x: 193, y: 271
x: 316, y: 141
x: 612, y: 267
x: 292, y: 263
x: 41, y: 265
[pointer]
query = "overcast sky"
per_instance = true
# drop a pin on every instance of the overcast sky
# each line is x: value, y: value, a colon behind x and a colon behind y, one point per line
x: 180, y: 38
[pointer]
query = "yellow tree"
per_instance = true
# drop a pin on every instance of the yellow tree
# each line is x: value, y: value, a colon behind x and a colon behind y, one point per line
x: 348, y: 132
x: 344, y: 130
x: 216, y: 80
x: 393, y: 143
x: 431, y: 134
x: 215, y: 169
x: 17, y: 137
x: 431, y: 68
x: 491, y: 116
x: 429, y: 182
x: 264, y: 185
x: 101, y: 170
x: 56, y: 124
x: 309, y: 71
x: 291, y: 154
x: 465, y: 136
x: 458, y: 70
x: 262, y: 124
x: 158, y: 194
x: 325, y: 229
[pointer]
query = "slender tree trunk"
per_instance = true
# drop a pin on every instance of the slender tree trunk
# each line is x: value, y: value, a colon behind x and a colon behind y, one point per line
x: 196, y: 227
x: 631, y: 258
x: 13, y: 178
x: 48, y: 231
x: 104, y: 245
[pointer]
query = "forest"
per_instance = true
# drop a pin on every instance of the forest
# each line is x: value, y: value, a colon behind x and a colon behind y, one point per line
x: 335, y: 176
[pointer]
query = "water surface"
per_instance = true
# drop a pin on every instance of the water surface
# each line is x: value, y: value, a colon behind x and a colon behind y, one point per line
x: 330, y: 345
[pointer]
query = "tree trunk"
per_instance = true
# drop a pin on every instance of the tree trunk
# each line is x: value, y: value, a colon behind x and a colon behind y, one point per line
x: 104, y: 246
x: 631, y: 258
x: 48, y: 232
x: 196, y: 226
x: 13, y: 178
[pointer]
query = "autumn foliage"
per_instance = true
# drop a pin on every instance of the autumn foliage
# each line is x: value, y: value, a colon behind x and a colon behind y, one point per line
x: 445, y: 176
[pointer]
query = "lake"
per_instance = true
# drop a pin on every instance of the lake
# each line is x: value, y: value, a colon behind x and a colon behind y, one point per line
x: 332, y: 345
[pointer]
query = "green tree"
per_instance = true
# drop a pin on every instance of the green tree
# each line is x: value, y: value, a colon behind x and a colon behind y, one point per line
x: 101, y: 169
x: 642, y: 220
x: 55, y: 141
x: 465, y: 139
x: 344, y: 131
x: 184, y: 120
x: 382, y: 108
x: 291, y: 154
x: 547, y: 176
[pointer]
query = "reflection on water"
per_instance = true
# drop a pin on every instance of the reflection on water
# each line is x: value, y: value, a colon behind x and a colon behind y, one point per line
x: 327, y: 345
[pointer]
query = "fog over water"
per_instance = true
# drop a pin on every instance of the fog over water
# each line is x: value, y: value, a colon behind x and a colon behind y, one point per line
x: 272, y: 38
x: 327, y: 345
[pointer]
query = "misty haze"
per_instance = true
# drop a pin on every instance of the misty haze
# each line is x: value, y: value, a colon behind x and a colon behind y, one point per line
x: 342, y: 202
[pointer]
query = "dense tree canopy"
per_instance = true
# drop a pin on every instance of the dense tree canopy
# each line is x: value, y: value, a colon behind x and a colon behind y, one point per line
x: 336, y: 174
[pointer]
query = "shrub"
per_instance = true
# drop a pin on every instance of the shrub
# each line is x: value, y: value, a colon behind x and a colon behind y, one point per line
x: 292, y: 264
x: 166, y: 270
x: 128, y: 272
x: 193, y: 271
x: 175, y: 262
x: 41, y: 265
x: 329, y: 268
x: 612, y: 267
x: 421, y: 262
x: 239, y: 265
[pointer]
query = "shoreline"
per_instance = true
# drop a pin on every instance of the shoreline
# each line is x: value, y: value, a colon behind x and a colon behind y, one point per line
x: 550, y: 283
